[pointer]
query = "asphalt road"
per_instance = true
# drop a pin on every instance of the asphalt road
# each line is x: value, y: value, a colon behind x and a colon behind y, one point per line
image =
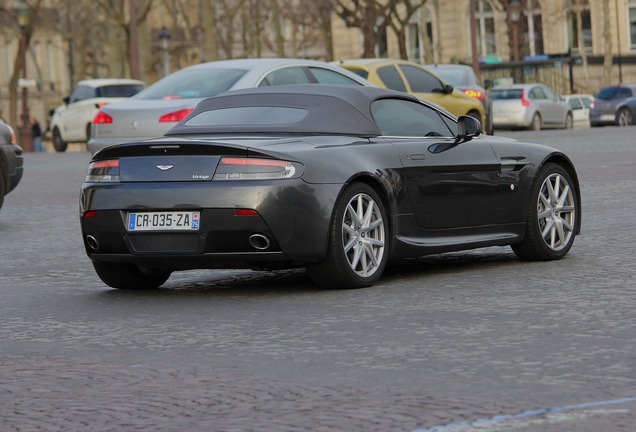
x: 474, y: 341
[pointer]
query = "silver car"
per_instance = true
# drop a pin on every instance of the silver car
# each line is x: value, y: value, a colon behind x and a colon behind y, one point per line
x: 153, y: 111
x: 529, y: 106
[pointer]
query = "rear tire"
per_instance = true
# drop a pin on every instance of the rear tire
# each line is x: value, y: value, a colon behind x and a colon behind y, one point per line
x: 552, y: 218
x: 88, y: 132
x: 624, y: 117
x: 536, y: 123
x: 3, y: 186
x: 130, y: 276
x: 569, y: 122
x: 58, y: 143
x: 358, y: 241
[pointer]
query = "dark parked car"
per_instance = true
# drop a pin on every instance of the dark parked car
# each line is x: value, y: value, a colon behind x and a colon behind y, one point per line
x: 270, y: 178
x: 11, y: 162
x: 614, y: 105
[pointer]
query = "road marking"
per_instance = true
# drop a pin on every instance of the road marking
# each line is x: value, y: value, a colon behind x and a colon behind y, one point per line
x: 480, y: 423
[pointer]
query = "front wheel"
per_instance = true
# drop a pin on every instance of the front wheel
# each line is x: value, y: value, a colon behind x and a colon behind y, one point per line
x: 130, y: 276
x: 624, y: 117
x: 59, y: 144
x: 358, y: 241
x: 553, y: 216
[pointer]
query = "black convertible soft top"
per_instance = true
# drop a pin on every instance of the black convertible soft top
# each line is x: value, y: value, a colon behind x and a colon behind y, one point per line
x: 327, y: 109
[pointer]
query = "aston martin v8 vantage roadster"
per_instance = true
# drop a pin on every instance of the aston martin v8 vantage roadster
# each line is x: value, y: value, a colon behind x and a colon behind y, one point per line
x: 337, y: 179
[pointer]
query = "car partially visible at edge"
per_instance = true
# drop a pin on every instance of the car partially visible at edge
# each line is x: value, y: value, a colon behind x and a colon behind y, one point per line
x: 11, y: 161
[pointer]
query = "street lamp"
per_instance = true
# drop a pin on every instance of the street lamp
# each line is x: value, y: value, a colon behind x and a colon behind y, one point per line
x: 514, y: 10
x: 26, y: 140
x: 164, y: 36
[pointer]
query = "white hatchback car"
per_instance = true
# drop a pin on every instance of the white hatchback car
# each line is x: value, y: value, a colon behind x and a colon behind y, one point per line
x: 71, y: 122
x: 529, y: 106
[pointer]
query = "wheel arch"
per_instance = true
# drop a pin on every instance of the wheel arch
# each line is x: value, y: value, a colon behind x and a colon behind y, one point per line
x: 384, y: 188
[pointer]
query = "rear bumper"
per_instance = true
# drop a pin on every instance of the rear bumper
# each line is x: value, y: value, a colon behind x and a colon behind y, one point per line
x: 293, y: 216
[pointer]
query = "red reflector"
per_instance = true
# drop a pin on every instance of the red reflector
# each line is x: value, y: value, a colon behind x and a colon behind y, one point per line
x: 105, y: 164
x: 175, y: 116
x: 90, y: 214
x: 256, y: 162
x: 246, y: 212
x: 524, y: 101
x: 101, y: 118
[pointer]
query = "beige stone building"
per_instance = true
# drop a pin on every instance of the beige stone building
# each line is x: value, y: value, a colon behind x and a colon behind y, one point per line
x: 439, y: 32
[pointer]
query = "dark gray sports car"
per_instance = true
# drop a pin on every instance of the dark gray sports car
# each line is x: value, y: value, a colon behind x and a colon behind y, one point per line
x: 338, y: 179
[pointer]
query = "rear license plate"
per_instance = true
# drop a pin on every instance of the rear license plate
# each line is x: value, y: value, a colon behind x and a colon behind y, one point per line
x: 607, y: 117
x: 158, y: 221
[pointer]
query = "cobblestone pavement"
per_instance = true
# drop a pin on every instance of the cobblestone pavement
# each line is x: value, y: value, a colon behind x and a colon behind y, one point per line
x: 475, y: 341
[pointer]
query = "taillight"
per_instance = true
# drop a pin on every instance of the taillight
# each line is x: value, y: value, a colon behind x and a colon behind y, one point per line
x: 524, y: 101
x: 101, y: 118
x: 100, y: 104
x: 475, y: 93
x: 236, y: 168
x: 103, y: 171
x: 592, y: 104
x: 175, y: 116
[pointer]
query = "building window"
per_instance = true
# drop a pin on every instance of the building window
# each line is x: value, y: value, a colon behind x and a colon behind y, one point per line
x: 485, y: 20
x: 579, y: 11
x: 413, y: 41
x: 632, y: 27
x: 533, y: 33
x: 416, y: 38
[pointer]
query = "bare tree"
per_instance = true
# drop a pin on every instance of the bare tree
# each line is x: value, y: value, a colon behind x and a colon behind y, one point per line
x: 369, y: 16
x: 399, y: 19
x: 19, y: 64
x: 118, y: 11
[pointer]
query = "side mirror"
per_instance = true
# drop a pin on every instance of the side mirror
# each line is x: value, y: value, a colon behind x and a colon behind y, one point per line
x: 448, y: 89
x: 67, y: 100
x: 467, y: 128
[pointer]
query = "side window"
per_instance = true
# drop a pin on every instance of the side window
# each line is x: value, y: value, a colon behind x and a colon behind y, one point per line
x: 391, y: 78
x: 326, y: 76
x: 586, y: 102
x: 549, y: 94
x: 537, y: 93
x: 399, y: 117
x: 575, y: 103
x: 79, y: 93
x: 290, y: 75
x: 421, y: 81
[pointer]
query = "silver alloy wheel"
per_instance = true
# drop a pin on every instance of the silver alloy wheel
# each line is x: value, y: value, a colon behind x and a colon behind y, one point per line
x: 624, y: 118
x: 363, y: 235
x: 556, y: 210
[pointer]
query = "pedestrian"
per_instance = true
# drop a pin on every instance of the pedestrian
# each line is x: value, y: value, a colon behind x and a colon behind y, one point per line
x: 36, y: 132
